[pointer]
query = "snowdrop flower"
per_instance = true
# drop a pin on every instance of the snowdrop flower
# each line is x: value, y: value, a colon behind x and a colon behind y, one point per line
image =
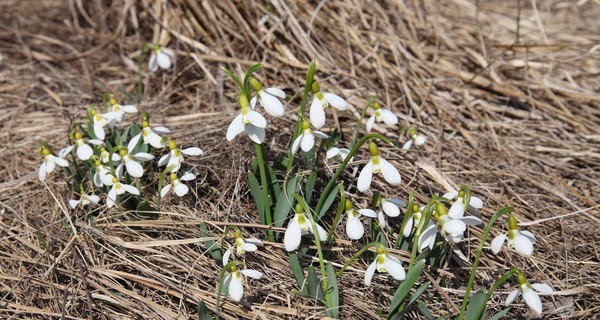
x: 306, y: 139
x: 248, y: 120
x: 269, y: 99
x: 413, y: 220
x: 161, y: 57
x: 522, y: 241
x: 388, y: 207
x: 354, y: 227
x: 298, y: 226
x: 459, y: 206
x: 175, y: 156
x: 98, y: 124
x: 85, y: 200
x: 451, y: 228
x: 381, y: 115
x: 49, y: 163
x: 242, y: 245
x: 385, y: 263
x: 375, y: 165
x: 148, y: 134
x: 530, y: 293
x: 83, y: 150
x: 118, y: 189
x: 416, y: 138
x: 134, y: 168
x: 105, y: 156
x: 338, y: 153
x: 103, y: 176
x: 233, y: 280
x: 320, y: 101
x: 118, y: 111
x: 179, y: 188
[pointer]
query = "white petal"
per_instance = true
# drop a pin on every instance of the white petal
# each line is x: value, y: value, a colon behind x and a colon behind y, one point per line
x: 332, y: 152
x: 321, y: 231
x: 118, y: 172
x: 254, y: 241
x: 368, y: 213
x: 476, y: 203
x: 84, y: 152
x: 523, y: 245
x: 95, y: 142
x: 161, y: 129
x: 390, y: 208
x: 528, y: 235
x: 512, y: 296
x: 395, y: 268
x: 181, y: 190
x: 427, y: 238
x: 94, y: 199
x: 154, y: 139
x: 532, y: 300
x: 320, y: 135
x: 188, y: 176
x: 296, y: 143
x: 420, y: 139
x: 354, y: 228
x: 408, y: 227
x: 131, y: 189
x: 152, y: 64
x: 252, y: 273
x: 370, y: 123
x: 253, y: 103
x: 389, y: 172
x: 168, y: 52
x: 165, y: 190
x: 335, y: 101
x: 271, y: 104
x: 249, y: 247
x: 143, y: 156
x: 293, y: 236
x: 236, y: 289
x: 164, y: 159
x: 255, y: 134
x: 111, y: 198
x: 134, y: 142
x: 275, y: 92
x: 389, y: 117
x: 60, y: 161
x: 74, y: 203
x: 471, y: 221
x: 407, y: 144
x: 542, y: 288
x: 96, y: 179
x: 497, y: 243
x: 134, y: 169
x: 163, y: 60
x: 226, y: 256
x: 381, y: 219
x: 257, y: 119
x: 317, y: 114
x: 365, y: 176
x: 129, y: 108
x: 99, y: 130
x: 194, y: 151
x: 450, y: 195
x: 454, y: 226
x: 457, y: 210
x: 50, y: 164
x: 308, y: 142
x: 370, y: 272
x: 236, y: 127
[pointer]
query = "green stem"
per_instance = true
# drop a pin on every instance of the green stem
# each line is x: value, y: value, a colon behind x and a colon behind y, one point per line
x: 338, y: 214
x: 407, y: 215
x: 486, y: 232
x: 356, y: 255
x: 264, y: 189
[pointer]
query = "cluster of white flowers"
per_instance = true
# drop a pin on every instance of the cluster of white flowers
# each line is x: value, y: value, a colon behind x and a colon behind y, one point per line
x: 233, y: 279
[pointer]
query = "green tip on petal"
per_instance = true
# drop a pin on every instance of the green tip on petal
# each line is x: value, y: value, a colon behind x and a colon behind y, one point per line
x: 373, y: 150
x: 315, y: 87
x: 298, y: 208
x: 348, y: 205
x: 255, y: 85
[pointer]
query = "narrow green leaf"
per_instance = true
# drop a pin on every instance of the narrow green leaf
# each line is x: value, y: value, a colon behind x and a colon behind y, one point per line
x: 297, y: 271
x: 203, y: 313
x: 476, y: 307
x: 314, y: 285
x: 334, y: 294
x: 425, y: 311
x: 328, y: 202
x: 256, y: 192
x: 501, y: 314
x: 310, y: 185
x: 234, y: 77
x: 404, y: 288
x: 211, y: 245
x: 417, y: 294
x: 285, y: 202
x: 274, y: 182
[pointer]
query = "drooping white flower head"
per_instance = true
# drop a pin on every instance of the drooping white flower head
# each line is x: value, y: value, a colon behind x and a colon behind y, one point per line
x: 381, y: 115
x: 413, y: 220
x: 248, y: 120
x: 416, y: 138
x: 521, y: 241
x: 450, y: 228
x: 118, y: 111
x: 242, y: 245
x: 388, y: 208
x: 269, y: 99
x: 175, y: 156
x: 98, y: 124
x: 385, y: 263
x: 320, y: 102
x: 178, y: 187
x: 377, y: 164
x: 90, y: 200
x: 148, y: 135
x: 298, y: 226
x: 83, y: 150
x: 133, y: 167
x: 161, y: 57
x: 105, y: 156
x: 306, y: 139
x: 118, y: 189
x: 103, y: 175
x: 459, y: 206
x: 49, y: 163
x: 234, y: 282
x: 338, y: 154
x: 354, y: 227
x: 530, y: 293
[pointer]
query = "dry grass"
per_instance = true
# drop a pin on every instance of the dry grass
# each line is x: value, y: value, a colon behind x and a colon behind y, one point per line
x: 507, y: 93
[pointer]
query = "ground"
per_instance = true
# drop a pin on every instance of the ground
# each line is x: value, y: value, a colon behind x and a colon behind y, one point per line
x: 506, y: 92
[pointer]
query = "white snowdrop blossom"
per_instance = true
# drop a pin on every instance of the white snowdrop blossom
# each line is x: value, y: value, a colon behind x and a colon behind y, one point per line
x: 376, y: 165
x: 354, y: 227
x: 118, y: 111
x: 298, y: 226
x: 49, y: 163
x: 161, y: 57
x: 133, y: 167
x: 242, y: 245
x: 459, y: 206
x: 269, y: 99
x: 175, y: 156
x: 381, y: 115
x: 385, y: 263
x: 250, y: 121
x: 178, y: 187
x: 413, y: 220
x: 102, y: 176
x: 306, y: 139
x: 416, y: 138
x: 90, y: 200
x: 234, y: 282
x: 338, y: 154
x: 105, y: 156
x: 98, y: 124
x: 320, y: 102
x: 450, y: 228
x: 83, y: 150
x: 530, y: 293
x: 148, y: 135
x: 118, y: 189
x: 521, y: 241
x: 388, y: 208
